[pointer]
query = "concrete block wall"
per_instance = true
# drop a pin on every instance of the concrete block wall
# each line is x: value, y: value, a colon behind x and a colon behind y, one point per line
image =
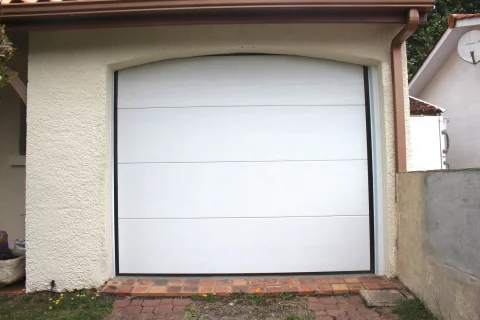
x: 439, y: 240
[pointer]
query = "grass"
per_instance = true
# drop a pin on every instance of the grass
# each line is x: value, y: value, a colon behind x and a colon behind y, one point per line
x: 76, y: 305
x: 413, y: 309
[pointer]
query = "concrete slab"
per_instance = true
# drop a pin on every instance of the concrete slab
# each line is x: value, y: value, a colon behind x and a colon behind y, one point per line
x: 381, y: 298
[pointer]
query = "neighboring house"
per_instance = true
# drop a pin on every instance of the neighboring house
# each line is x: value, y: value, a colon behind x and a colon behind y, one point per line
x: 209, y: 137
x: 428, y: 136
x: 444, y: 79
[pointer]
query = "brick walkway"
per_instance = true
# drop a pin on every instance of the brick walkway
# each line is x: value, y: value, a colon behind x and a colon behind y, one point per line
x: 171, y: 309
x: 344, y: 308
x: 184, y: 287
x: 325, y: 308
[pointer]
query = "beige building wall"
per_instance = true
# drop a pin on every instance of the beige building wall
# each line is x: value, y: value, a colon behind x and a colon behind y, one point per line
x: 69, y: 159
x: 455, y: 87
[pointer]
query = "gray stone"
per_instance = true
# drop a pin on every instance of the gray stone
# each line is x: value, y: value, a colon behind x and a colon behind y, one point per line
x: 11, y: 270
x: 381, y: 298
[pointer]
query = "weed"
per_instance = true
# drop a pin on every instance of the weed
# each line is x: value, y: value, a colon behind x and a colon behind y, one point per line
x: 191, y: 313
x: 413, y: 309
x: 300, y: 317
x: 287, y: 296
x: 204, y: 297
x: 251, y: 298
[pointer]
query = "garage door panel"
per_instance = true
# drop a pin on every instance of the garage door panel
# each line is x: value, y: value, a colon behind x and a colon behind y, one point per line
x: 243, y: 189
x: 242, y: 164
x: 274, y: 245
x: 241, y: 134
x: 239, y: 81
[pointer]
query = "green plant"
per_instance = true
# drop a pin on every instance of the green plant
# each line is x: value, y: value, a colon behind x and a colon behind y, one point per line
x: 205, y: 297
x: 252, y: 298
x: 191, y: 313
x: 6, y: 53
x: 300, y: 317
x: 72, y: 305
x: 413, y: 309
x: 287, y: 296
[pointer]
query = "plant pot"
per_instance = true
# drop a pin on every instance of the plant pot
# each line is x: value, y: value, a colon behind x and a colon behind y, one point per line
x: 12, y: 270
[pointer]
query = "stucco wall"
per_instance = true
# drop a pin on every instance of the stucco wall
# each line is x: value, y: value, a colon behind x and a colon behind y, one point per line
x: 439, y: 240
x: 455, y: 88
x: 69, y: 143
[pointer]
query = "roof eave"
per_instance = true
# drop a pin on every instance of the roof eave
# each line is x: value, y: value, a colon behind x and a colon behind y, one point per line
x: 75, y: 9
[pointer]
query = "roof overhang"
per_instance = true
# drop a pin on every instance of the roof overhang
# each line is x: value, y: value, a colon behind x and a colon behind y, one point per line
x: 442, y: 50
x: 118, y: 13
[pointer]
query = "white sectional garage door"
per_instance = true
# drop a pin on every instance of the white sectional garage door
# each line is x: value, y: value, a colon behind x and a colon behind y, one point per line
x: 242, y: 164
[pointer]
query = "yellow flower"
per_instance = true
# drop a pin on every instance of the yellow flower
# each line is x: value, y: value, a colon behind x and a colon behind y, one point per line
x: 23, y: 289
x: 78, y: 295
x: 214, y: 293
x: 98, y: 295
x: 73, y: 298
x: 61, y: 294
x: 93, y: 298
x: 50, y: 308
x: 204, y: 295
x: 291, y: 286
x: 258, y: 290
x: 56, y: 302
x: 70, y: 290
x: 50, y: 299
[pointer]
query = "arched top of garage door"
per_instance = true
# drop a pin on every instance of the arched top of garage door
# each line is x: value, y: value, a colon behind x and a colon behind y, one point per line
x: 246, y: 80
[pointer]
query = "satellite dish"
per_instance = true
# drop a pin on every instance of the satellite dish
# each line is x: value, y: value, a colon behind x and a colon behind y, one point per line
x: 469, y: 47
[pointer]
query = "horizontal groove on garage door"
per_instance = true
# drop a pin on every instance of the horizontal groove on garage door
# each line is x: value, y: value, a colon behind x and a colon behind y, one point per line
x: 280, y: 217
x: 249, y: 106
x: 245, y: 161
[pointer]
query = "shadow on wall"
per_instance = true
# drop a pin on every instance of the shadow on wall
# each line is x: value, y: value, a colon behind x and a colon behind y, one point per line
x: 439, y: 240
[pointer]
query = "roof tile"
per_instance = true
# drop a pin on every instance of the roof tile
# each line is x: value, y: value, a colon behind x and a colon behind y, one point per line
x: 453, y: 18
x: 422, y: 108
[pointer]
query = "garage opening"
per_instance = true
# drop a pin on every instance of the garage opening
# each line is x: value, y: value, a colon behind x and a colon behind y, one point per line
x: 243, y: 164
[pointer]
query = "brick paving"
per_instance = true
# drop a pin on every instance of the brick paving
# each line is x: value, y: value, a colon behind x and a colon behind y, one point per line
x: 325, y: 308
x: 185, y: 287
x: 171, y: 309
x: 344, y: 308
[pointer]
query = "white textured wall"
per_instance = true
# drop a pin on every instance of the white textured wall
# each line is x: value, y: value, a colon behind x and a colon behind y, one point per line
x: 12, y: 179
x: 455, y: 87
x: 70, y: 90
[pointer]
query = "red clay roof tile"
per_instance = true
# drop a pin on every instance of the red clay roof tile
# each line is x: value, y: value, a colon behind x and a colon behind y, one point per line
x: 422, y: 108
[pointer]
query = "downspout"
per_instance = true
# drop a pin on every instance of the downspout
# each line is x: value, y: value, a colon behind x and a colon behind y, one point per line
x: 398, y: 89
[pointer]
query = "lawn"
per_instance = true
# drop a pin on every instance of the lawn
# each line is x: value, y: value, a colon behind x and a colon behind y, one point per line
x: 75, y: 305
